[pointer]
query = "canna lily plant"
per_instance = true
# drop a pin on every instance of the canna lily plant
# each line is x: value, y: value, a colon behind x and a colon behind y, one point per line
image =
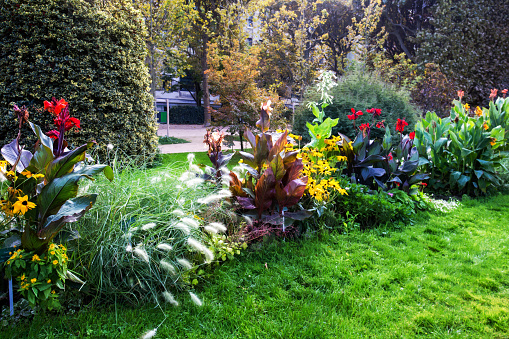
x: 273, y: 181
x: 40, y: 193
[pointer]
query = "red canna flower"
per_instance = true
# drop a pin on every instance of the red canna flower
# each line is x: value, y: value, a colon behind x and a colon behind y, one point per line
x: 354, y: 114
x: 504, y: 92
x: 400, y: 125
x: 411, y: 135
x: 493, y: 94
x: 371, y: 110
x: 461, y: 94
x: 363, y: 127
x: 424, y: 184
x: 55, y: 106
x: 70, y: 122
x: 380, y: 124
x: 53, y: 134
x: 378, y: 112
x: 389, y: 156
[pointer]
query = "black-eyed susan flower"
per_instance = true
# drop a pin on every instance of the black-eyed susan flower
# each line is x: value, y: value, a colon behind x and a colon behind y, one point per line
x: 22, y: 205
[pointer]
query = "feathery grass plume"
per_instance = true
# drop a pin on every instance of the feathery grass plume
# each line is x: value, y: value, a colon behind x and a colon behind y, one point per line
x: 168, y: 267
x: 226, y: 179
x: 218, y: 226
x: 209, y: 256
x: 186, y: 176
x: 129, y: 248
x: 210, y: 229
x: 148, y: 226
x: 190, y: 222
x: 164, y: 247
x: 190, y: 158
x: 149, y: 334
x: 215, y: 197
x: 183, y: 227
x: 178, y: 213
x: 133, y: 229
x: 195, y: 299
x: 198, y: 246
x: 169, y: 298
x: 141, y: 253
x: 249, y: 221
x: 154, y: 180
x: 194, y: 168
x: 185, y: 263
x: 110, y: 147
x: 194, y: 182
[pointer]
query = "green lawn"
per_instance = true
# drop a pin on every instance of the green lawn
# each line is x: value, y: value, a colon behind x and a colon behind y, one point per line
x: 179, y: 160
x: 444, y: 276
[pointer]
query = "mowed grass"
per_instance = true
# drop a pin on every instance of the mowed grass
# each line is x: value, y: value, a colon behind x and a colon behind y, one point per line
x: 445, y: 276
x: 179, y: 160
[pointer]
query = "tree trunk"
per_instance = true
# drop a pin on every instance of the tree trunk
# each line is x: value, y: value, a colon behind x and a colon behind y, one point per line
x: 206, y: 93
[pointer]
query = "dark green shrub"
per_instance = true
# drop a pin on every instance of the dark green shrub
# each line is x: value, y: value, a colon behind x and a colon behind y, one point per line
x: 359, y: 91
x: 90, y: 53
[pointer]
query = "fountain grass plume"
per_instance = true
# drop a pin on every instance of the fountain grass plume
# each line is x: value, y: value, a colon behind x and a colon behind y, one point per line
x: 195, y: 299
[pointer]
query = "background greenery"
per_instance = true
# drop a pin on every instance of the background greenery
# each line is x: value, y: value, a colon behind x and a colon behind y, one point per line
x: 360, y: 90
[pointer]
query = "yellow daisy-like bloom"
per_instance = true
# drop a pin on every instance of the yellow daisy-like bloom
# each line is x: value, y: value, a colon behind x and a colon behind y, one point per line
x: 51, y: 246
x: 22, y: 205
x: 11, y: 176
x: 22, y: 276
x: 36, y: 258
x: 52, y: 252
x: 49, y: 281
x: 55, y: 262
x: 27, y: 174
x: 478, y: 111
x: 33, y: 280
x: 52, y: 292
x: 466, y: 106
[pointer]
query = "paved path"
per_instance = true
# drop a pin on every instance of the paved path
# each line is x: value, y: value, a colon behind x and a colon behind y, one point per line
x: 192, y: 133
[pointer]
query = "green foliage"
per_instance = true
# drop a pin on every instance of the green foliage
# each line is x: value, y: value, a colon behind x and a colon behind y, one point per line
x: 89, y: 52
x: 362, y: 91
x: 469, y: 40
x: 39, y: 277
x: 186, y: 115
x: 464, y: 153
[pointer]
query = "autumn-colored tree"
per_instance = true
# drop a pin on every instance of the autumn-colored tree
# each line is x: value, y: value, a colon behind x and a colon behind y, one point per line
x: 232, y: 76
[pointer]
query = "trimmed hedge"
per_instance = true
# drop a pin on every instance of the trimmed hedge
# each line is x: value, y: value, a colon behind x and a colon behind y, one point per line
x: 360, y: 91
x: 89, y: 53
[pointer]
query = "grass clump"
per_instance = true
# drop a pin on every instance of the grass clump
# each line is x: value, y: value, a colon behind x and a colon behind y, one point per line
x: 144, y: 237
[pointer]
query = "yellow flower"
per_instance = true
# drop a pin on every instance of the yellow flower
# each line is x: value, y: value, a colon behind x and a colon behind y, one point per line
x: 466, y: 106
x: 33, y: 280
x: 493, y: 141
x: 51, y: 246
x: 27, y: 174
x: 37, y: 176
x: 49, y: 281
x: 22, y: 276
x: 22, y: 205
x: 241, y: 161
x: 478, y: 111
x: 11, y: 175
x: 8, y: 262
x: 52, y: 292
x: 55, y: 262
x: 36, y: 258
x: 485, y: 126
x: 52, y: 252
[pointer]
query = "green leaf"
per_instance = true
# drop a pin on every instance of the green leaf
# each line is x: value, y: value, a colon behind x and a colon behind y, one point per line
x: 65, y: 164
x: 71, y: 211
x: 277, y: 167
